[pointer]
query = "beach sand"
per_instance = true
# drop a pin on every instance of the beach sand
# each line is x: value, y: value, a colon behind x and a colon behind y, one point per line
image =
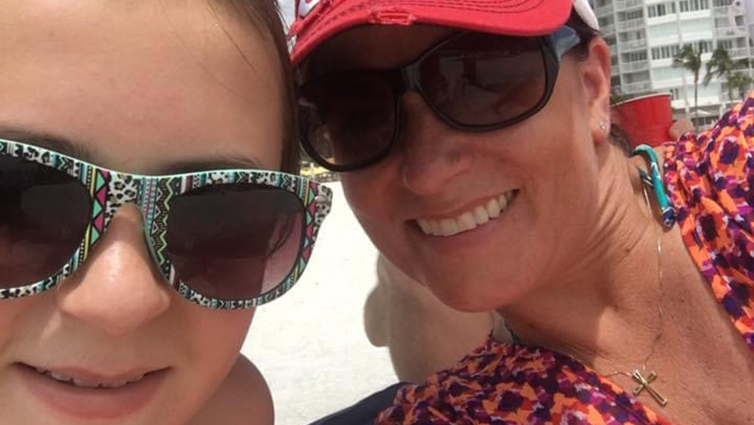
x: 310, y: 344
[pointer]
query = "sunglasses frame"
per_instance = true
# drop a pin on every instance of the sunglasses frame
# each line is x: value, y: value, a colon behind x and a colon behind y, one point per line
x: 109, y: 190
x: 401, y: 80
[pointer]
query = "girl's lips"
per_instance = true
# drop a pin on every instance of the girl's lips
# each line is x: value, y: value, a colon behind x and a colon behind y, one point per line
x: 99, y: 403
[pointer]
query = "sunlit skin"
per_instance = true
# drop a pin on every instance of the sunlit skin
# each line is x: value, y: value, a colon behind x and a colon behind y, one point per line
x: 571, y: 263
x: 143, y: 87
x: 422, y: 334
x: 436, y: 172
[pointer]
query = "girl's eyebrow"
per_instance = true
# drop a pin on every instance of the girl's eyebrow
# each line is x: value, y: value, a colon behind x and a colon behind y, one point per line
x: 45, y: 140
x: 71, y: 148
x: 207, y: 164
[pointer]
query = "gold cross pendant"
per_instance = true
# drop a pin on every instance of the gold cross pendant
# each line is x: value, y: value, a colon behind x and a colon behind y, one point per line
x: 644, y: 385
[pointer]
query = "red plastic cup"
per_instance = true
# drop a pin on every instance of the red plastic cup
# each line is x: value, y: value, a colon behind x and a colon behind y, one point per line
x: 645, y: 119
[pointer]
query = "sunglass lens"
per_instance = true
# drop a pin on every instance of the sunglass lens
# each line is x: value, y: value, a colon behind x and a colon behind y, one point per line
x: 234, y: 241
x: 349, y: 118
x: 43, y: 217
x: 482, y: 79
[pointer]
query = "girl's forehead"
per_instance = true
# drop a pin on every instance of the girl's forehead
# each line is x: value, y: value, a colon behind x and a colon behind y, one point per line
x: 140, y: 77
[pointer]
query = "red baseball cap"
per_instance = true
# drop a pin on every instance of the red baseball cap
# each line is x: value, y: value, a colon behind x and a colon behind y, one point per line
x: 318, y: 20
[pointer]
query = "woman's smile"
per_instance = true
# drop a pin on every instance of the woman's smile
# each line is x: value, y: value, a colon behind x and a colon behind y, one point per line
x: 469, y: 218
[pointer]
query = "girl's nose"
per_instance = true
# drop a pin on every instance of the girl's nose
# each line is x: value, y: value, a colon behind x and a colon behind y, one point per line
x: 118, y: 289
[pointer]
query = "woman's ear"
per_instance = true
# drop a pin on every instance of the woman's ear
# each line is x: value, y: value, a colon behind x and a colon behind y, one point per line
x: 596, y: 72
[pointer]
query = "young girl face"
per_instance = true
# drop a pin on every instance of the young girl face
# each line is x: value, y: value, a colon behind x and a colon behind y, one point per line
x: 146, y: 87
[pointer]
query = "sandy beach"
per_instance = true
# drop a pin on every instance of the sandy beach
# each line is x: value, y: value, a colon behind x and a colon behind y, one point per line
x: 310, y: 344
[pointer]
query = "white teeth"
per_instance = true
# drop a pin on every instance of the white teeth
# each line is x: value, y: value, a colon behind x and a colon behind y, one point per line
x: 119, y: 384
x: 449, y: 227
x: 503, y: 201
x: 84, y: 384
x: 480, y: 215
x: 467, y: 220
x: 493, y: 208
x: 60, y: 377
x: 435, y: 228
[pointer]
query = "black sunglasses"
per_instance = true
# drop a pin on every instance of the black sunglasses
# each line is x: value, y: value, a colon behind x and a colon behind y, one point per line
x: 473, y: 81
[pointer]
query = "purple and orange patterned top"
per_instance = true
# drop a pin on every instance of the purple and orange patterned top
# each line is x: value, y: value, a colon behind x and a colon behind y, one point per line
x: 710, y: 179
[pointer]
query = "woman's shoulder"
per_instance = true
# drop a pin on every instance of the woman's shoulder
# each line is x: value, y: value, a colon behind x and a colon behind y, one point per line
x: 511, y: 383
x: 242, y: 399
x: 710, y: 179
x: 722, y: 152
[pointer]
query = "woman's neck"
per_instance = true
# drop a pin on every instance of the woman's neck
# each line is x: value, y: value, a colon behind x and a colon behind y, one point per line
x: 611, y: 292
x: 615, y: 315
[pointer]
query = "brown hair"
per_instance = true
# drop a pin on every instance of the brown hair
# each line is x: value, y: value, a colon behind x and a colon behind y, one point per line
x: 265, y: 16
x: 617, y: 136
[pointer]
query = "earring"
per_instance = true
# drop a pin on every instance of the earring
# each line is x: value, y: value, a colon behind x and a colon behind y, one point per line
x: 603, y: 127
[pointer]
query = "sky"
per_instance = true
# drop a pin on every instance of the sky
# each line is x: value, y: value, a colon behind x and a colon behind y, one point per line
x: 287, y: 7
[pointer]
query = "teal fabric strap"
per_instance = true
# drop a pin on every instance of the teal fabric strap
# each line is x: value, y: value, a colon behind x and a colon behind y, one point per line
x: 667, y: 210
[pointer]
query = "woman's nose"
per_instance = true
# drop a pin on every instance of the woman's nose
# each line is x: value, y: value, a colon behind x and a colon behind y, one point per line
x: 118, y: 289
x: 431, y: 152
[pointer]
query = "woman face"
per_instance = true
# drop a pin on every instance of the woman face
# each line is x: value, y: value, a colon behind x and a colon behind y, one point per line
x: 141, y: 87
x: 538, y: 175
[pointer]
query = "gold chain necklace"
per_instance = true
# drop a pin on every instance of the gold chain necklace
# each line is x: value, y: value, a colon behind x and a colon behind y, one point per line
x: 641, y: 378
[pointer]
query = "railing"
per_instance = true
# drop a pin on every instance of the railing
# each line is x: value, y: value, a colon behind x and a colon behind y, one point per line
x: 641, y: 86
x: 725, y: 98
x: 631, y: 24
x: 615, y: 70
x: 729, y: 32
x: 605, y: 10
x: 720, y: 11
x: 634, y: 45
x: 742, y: 52
x: 635, y: 66
x: 626, y: 4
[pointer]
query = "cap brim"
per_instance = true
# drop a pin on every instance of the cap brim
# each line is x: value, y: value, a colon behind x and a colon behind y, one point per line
x: 513, y: 17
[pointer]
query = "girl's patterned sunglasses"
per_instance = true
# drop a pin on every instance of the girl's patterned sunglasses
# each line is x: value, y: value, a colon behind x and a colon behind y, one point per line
x: 224, y: 239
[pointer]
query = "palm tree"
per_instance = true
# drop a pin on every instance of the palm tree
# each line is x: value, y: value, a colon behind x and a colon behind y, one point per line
x: 691, y: 60
x: 741, y: 82
x: 722, y: 65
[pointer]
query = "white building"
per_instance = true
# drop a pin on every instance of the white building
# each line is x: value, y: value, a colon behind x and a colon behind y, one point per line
x: 645, y: 35
x: 749, y: 12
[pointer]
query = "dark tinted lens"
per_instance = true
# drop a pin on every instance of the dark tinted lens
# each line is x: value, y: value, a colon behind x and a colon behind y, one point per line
x: 234, y: 241
x: 352, y: 118
x: 480, y: 79
x: 43, y: 218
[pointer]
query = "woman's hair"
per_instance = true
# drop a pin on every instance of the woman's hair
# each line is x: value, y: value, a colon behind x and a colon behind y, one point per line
x: 617, y: 136
x: 264, y: 15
